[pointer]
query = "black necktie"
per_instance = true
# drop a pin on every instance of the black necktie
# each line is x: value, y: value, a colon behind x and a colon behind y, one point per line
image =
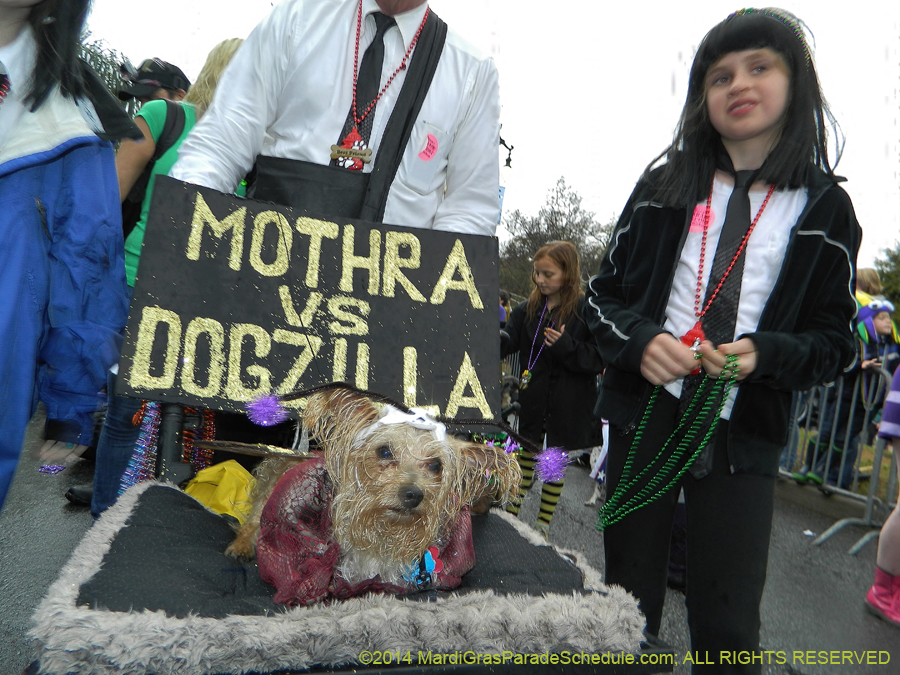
x: 368, y: 81
x: 721, y: 317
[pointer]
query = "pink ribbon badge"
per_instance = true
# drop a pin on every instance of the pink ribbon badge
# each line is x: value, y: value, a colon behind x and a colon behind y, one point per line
x: 699, y: 216
x: 431, y: 148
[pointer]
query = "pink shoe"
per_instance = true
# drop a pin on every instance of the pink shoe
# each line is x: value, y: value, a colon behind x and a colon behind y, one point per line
x: 883, y: 598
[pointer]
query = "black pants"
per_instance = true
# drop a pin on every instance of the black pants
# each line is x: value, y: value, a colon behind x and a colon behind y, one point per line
x: 729, y: 520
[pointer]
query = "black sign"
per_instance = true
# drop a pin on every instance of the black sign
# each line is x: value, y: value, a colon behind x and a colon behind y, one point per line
x: 236, y: 299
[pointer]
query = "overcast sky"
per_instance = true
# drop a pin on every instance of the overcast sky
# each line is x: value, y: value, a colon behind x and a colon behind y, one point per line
x: 592, y: 90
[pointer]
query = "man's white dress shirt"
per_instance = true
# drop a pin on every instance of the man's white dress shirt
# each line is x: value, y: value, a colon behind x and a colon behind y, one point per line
x: 287, y: 91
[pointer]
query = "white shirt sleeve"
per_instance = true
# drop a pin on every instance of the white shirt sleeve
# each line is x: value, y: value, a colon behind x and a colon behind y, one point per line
x: 472, y: 203
x: 221, y: 149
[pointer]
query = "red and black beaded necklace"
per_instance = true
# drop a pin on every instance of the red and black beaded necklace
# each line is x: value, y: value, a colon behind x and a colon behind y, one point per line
x: 353, y: 139
x: 695, y: 335
x: 4, y: 86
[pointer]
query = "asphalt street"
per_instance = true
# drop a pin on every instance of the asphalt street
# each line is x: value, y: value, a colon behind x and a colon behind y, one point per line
x: 813, y: 599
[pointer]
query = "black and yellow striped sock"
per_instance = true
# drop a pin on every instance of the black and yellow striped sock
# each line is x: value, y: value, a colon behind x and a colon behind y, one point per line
x: 550, y: 493
x: 526, y: 462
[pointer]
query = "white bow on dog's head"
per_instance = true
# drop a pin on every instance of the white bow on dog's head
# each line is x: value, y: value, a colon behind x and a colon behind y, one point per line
x: 417, y: 418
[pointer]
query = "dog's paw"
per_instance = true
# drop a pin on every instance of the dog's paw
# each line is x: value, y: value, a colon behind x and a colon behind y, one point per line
x: 596, y: 496
x: 241, y: 550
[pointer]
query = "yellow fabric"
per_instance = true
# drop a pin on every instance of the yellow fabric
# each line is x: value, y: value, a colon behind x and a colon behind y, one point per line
x: 223, y: 488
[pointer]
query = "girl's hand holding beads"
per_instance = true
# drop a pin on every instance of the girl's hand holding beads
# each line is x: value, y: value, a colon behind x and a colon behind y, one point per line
x: 551, y: 335
x: 666, y: 359
x: 714, y: 359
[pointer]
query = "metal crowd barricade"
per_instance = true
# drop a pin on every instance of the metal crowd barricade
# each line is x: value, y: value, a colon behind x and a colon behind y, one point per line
x: 868, y: 516
x: 509, y: 369
x: 509, y: 366
x: 835, y: 416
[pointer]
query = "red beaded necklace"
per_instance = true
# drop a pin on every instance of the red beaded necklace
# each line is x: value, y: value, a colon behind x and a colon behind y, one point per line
x: 695, y: 335
x: 4, y: 87
x: 353, y: 139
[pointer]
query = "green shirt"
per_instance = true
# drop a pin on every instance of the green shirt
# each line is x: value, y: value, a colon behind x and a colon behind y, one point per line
x: 154, y: 114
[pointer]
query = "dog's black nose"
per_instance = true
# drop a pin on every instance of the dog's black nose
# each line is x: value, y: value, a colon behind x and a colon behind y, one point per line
x: 410, y: 496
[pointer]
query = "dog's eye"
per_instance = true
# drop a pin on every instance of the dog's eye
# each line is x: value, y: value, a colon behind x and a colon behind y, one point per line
x: 384, y: 452
x: 435, y: 466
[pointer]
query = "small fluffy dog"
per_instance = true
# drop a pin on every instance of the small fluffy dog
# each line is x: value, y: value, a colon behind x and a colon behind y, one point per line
x: 599, y: 492
x: 598, y: 468
x: 383, y: 507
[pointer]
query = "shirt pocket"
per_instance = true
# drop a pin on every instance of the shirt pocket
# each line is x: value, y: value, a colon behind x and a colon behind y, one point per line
x: 425, y: 161
x: 776, y: 247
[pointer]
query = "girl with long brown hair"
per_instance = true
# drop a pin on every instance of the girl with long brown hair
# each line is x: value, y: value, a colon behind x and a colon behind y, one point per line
x: 559, y: 362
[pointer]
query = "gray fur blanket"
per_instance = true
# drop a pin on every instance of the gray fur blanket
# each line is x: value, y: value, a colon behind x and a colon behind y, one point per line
x: 77, y: 634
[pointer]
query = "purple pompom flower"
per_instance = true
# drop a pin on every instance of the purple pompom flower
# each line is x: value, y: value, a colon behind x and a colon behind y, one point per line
x: 510, y: 445
x: 267, y: 411
x: 550, y: 465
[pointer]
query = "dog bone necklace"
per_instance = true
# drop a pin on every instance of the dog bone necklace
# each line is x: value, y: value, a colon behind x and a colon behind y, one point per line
x: 353, y: 146
x: 695, y: 335
x: 526, y: 374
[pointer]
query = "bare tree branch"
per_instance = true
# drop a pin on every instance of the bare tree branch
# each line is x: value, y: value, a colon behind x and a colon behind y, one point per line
x: 562, y: 217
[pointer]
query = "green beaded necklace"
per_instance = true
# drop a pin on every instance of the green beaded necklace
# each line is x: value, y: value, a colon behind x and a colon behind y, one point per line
x: 677, y: 464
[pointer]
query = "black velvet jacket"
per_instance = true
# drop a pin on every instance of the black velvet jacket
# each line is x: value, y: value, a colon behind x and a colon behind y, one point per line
x: 804, y: 337
x: 563, y: 390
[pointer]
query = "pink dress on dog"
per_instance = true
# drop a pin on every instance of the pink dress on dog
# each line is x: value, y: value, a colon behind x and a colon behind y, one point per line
x: 298, y: 555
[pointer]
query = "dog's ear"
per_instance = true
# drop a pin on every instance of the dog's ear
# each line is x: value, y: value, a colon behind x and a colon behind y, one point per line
x: 335, y: 417
x: 485, y: 469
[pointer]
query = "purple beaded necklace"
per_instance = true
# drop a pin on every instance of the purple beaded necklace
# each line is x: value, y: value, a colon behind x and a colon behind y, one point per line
x: 526, y: 374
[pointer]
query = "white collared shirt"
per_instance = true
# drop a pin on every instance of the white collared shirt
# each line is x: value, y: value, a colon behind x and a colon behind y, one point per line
x: 764, y: 256
x: 287, y: 91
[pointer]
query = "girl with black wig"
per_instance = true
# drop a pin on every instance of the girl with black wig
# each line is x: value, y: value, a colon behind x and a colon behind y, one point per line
x: 61, y: 263
x: 705, y: 340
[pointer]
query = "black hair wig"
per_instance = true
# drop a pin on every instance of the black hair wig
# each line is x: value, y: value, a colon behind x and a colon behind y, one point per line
x: 57, y: 26
x: 691, y: 158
